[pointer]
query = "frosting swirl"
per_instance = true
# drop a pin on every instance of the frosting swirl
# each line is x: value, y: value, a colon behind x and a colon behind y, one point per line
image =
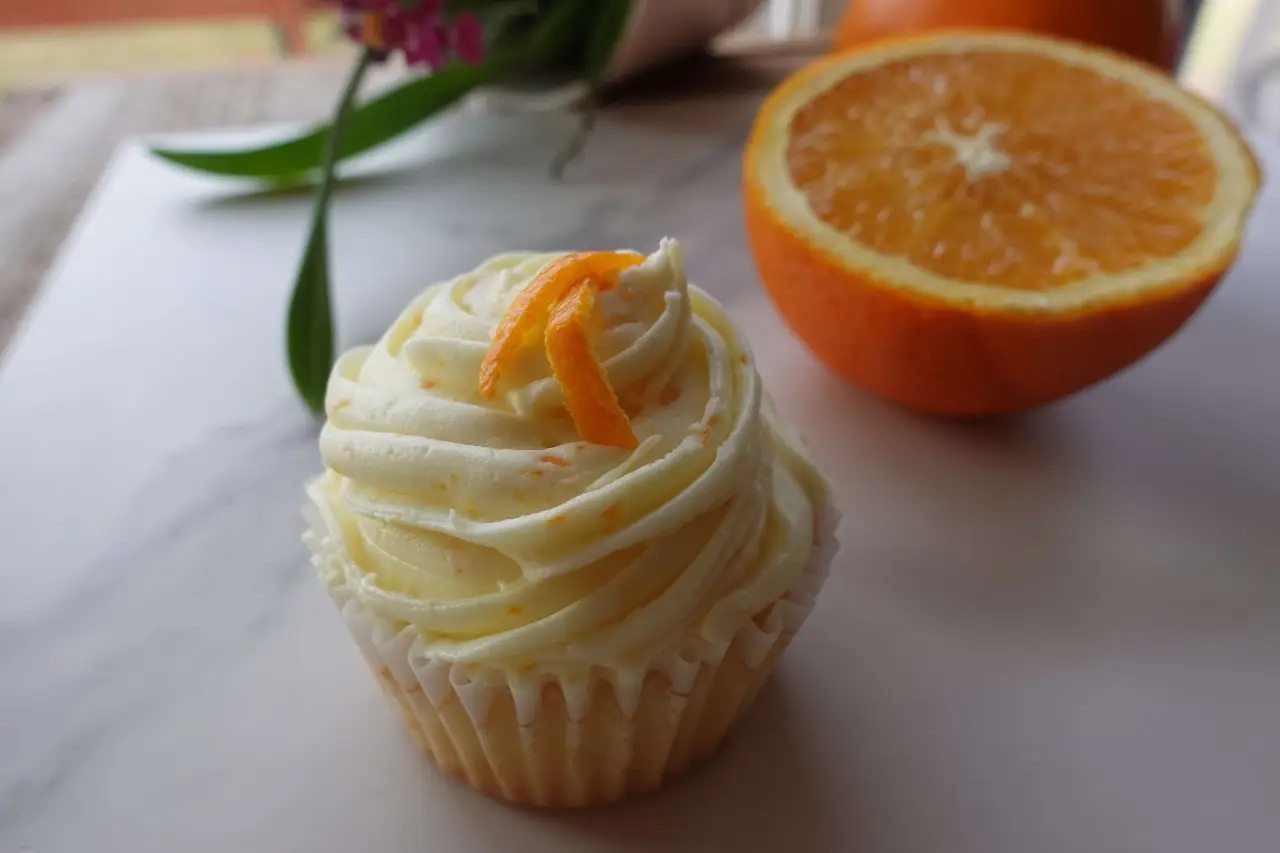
x: 503, y: 538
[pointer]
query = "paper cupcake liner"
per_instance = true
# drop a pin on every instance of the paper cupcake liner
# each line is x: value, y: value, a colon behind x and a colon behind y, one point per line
x: 553, y: 737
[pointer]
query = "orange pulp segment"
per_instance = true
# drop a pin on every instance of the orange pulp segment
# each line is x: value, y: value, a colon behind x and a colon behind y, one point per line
x: 1002, y: 168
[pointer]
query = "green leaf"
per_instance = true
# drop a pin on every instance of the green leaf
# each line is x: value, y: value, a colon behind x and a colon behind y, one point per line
x: 369, y: 125
x: 309, y: 328
x: 310, y: 333
x: 310, y: 324
x: 608, y: 25
x: 393, y: 112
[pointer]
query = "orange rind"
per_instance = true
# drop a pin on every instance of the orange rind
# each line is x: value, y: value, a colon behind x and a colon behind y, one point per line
x: 528, y: 313
x: 588, y: 397
x: 558, y: 304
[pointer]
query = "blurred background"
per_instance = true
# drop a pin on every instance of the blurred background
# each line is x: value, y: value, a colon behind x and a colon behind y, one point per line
x: 79, y: 76
x: 49, y: 41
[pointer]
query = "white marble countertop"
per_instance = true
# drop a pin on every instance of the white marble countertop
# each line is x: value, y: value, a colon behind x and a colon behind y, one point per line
x: 1054, y: 633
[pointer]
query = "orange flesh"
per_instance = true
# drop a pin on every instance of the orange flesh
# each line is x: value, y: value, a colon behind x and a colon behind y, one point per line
x: 528, y: 313
x: 590, y: 400
x: 1060, y: 190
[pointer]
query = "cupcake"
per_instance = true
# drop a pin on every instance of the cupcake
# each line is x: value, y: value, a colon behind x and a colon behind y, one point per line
x: 564, y: 524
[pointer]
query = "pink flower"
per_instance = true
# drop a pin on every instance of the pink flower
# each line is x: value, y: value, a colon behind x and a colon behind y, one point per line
x: 425, y: 44
x: 467, y: 38
x: 416, y: 29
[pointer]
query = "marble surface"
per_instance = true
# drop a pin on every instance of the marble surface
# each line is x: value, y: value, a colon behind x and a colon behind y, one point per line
x: 1054, y: 633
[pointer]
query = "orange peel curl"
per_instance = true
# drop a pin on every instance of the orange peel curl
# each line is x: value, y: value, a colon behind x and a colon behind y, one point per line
x: 558, y: 303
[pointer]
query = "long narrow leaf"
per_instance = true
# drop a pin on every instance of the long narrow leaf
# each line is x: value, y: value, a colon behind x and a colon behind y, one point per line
x: 393, y: 112
x: 369, y: 125
x: 310, y: 323
x: 309, y: 329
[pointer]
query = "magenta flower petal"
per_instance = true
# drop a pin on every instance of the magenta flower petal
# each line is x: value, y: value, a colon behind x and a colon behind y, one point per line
x: 426, y: 45
x: 395, y: 31
x: 467, y: 38
x: 418, y: 31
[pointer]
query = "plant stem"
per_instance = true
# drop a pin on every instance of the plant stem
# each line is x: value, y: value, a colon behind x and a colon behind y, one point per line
x: 572, y: 150
x: 333, y: 144
x: 309, y: 328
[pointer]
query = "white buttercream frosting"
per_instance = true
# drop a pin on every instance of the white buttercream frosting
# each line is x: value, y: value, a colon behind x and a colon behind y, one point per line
x: 502, y: 538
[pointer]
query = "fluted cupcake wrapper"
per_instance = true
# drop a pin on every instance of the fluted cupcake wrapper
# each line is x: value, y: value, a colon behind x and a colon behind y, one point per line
x: 570, y: 737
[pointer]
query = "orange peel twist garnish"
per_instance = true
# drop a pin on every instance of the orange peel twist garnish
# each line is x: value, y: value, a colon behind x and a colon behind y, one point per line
x: 558, y: 303
x: 590, y: 399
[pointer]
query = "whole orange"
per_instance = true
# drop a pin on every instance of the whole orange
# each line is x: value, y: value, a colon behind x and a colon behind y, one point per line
x: 1148, y: 29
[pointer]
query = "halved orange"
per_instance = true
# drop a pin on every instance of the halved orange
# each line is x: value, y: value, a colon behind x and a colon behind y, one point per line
x: 974, y: 223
